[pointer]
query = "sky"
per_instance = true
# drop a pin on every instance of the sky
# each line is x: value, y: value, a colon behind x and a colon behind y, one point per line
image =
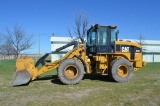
x: 45, y: 17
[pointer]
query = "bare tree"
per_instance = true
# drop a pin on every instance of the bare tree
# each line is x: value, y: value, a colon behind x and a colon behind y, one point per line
x: 18, y: 40
x: 7, y: 47
x: 81, y: 22
x: 141, y: 41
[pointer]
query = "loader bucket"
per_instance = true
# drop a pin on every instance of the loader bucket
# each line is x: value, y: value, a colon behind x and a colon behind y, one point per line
x: 25, y: 71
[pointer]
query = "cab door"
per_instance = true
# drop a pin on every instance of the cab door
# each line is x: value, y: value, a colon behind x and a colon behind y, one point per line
x: 104, y: 40
x: 91, y: 42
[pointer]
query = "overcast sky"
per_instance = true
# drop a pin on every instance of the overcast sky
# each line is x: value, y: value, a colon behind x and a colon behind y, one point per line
x: 133, y: 17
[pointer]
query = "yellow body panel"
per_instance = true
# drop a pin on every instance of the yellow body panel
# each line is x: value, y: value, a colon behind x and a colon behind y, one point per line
x: 128, y: 43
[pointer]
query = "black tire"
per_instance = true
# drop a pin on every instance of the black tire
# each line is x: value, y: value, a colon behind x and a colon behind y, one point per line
x: 110, y: 68
x: 70, y: 71
x: 121, y: 70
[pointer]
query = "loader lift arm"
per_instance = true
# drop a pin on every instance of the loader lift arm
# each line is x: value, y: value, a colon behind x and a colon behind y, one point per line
x: 42, y: 59
x: 76, y: 52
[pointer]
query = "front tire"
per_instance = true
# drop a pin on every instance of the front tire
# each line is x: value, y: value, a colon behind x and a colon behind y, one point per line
x: 70, y: 71
x: 121, y: 70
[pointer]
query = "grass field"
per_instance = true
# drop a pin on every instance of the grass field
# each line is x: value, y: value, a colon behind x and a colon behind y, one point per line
x: 142, y: 90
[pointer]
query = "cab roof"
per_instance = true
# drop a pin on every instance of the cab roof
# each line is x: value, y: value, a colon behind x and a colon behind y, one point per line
x: 108, y: 26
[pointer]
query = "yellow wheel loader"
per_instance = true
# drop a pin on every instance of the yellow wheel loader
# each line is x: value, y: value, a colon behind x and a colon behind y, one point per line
x: 102, y: 54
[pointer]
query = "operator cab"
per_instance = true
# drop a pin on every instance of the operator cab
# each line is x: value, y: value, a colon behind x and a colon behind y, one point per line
x: 100, y: 39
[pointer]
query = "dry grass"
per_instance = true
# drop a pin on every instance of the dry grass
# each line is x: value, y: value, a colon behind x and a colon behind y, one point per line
x: 142, y: 90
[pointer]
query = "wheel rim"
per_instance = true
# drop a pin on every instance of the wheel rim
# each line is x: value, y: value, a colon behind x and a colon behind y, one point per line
x: 122, y: 71
x: 71, y: 72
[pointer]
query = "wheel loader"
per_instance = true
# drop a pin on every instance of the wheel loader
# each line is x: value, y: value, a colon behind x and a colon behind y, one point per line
x: 102, y: 54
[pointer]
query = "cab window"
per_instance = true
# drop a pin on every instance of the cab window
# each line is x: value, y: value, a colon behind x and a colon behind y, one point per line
x: 112, y: 36
x: 102, y: 36
x: 91, y: 40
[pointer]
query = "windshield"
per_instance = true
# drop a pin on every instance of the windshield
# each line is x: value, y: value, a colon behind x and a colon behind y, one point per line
x: 91, y: 38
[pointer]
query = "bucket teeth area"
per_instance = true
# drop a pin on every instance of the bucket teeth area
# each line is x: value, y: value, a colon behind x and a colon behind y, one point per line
x: 20, y: 78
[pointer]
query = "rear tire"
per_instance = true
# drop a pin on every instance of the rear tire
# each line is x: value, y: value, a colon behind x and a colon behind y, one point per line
x: 70, y: 71
x: 121, y: 70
